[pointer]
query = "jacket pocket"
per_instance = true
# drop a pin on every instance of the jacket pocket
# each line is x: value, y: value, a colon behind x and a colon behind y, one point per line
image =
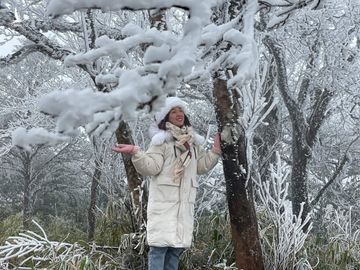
x: 164, y: 189
x: 167, y: 180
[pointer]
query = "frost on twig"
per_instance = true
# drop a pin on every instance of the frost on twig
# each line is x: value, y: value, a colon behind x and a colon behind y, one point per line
x: 30, y: 250
x: 282, y: 233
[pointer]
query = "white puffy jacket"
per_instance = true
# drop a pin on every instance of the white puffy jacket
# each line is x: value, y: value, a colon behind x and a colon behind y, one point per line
x: 170, y: 210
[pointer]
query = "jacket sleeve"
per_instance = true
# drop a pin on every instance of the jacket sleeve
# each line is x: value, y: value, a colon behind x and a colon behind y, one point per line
x: 149, y: 163
x: 206, y: 160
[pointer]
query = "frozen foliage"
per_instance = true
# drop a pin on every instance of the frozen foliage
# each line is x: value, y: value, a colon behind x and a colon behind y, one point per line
x: 39, y: 252
x: 253, y: 114
x: 345, y: 237
x: 282, y: 234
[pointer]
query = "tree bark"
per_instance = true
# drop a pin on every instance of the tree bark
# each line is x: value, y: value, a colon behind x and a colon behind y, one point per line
x: 27, y: 212
x: 244, y: 228
x: 93, y: 200
x: 27, y: 196
x: 299, y: 185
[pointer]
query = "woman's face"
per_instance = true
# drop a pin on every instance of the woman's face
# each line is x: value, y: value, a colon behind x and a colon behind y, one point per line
x: 176, y: 116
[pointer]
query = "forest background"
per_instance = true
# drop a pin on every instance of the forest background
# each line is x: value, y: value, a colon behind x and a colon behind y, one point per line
x: 279, y: 79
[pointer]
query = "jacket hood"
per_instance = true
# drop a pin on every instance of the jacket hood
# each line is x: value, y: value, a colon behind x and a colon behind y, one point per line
x: 159, y: 136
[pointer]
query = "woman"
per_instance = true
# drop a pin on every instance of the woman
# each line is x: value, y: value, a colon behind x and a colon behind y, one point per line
x: 174, y: 159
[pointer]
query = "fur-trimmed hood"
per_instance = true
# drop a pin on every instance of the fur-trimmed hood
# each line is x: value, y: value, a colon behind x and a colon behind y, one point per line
x: 159, y: 136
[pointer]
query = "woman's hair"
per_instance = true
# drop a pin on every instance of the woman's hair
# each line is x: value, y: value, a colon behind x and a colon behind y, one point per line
x: 162, y: 124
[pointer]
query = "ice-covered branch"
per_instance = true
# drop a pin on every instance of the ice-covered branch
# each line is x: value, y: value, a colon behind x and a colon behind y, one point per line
x: 279, y: 57
x: 41, y: 41
x: 297, y: 117
x: 19, y: 55
x: 287, y: 235
x: 339, y: 168
x: 285, y: 9
x: 167, y: 60
x: 64, y: 26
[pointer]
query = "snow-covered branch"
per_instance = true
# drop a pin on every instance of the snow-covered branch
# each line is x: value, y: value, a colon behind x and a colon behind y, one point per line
x: 200, y: 9
x: 167, y: 60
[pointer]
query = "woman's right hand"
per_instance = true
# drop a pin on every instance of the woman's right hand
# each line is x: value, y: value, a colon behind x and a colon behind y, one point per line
x: 126, y: 148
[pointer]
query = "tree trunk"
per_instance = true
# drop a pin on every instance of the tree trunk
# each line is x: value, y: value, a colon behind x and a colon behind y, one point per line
x: 299, y: 186
x: 27, y: 200
x: 139, y: 199
x: 27, y: 213
x: 244, y: 227
x: 93, y: 200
